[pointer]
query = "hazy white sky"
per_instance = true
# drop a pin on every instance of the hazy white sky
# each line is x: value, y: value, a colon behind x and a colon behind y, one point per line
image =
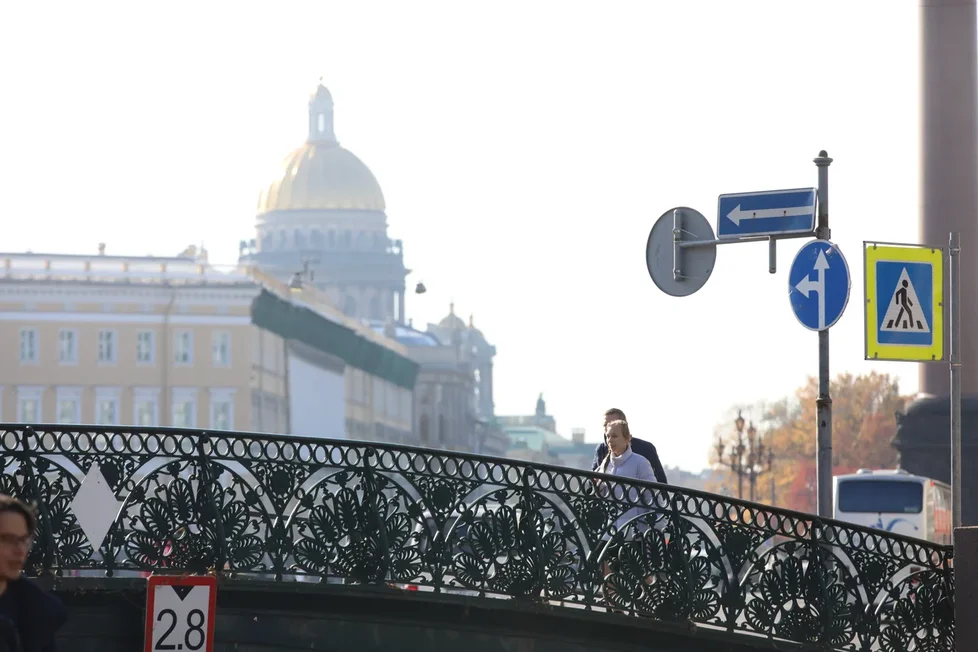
x: 525, y: 150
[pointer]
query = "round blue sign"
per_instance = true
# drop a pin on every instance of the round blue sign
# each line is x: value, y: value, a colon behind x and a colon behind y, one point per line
x: 818, y: 285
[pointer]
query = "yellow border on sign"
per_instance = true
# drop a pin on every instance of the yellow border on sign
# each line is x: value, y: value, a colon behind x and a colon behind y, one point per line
x: 874, y: 253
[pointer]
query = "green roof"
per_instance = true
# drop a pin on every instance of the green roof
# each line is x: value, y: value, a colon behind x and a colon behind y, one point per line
x: 287, y: 320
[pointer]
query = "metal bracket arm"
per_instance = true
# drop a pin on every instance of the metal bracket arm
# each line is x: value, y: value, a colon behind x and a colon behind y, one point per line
x: 677, y: 245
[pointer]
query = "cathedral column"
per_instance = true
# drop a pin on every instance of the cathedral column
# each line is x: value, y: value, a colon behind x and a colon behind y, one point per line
x: 948, y: 165
x: 488, y: 385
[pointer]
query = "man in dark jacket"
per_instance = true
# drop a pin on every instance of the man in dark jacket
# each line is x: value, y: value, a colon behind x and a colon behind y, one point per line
x: 639, y: 446
x: 29, y: 617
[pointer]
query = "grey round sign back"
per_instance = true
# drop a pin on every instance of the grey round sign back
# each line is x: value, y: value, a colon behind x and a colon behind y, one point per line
x: 696, y: 263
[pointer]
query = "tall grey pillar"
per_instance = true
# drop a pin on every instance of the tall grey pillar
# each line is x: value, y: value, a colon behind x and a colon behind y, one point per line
x: 948, y: 165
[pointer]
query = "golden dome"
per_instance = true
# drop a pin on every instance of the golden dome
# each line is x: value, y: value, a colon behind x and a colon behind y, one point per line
x: 322, y: 176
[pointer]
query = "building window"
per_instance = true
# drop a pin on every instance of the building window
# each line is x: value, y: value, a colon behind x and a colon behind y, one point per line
x: 183, y: 347
x: 145, y: 407
x: 221, y: 348
x: 106, y: 347
x: 28, y: 345
x: 222, y: 409
x: 145, y: 349
x: 107, y: 406
x: 68, y: 346
x: 221, y: 416
x: 184, y: 408
x: 68, y: 405
x: 29, y: 404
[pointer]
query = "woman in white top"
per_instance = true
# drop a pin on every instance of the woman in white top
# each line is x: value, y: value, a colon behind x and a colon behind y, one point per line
x: 622, y: 462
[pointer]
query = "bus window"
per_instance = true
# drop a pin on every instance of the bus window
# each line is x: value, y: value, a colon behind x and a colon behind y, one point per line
x: 881, y: 496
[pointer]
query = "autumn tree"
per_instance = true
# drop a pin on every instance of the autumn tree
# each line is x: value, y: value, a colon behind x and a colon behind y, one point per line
x: 863, y: 426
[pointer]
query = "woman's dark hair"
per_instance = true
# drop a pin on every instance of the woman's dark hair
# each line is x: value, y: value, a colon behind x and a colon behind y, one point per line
x: 11, y: 504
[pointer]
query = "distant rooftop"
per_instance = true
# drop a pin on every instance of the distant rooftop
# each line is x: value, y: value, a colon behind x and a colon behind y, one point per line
x: 406, y: 335
x: 534, y: 437
x: 100, y: 268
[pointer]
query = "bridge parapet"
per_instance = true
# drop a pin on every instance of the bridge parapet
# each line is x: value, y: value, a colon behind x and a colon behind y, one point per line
x: 250, y: 506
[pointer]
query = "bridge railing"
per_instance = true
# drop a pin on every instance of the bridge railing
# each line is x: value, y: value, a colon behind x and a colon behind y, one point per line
x: 120, y: 500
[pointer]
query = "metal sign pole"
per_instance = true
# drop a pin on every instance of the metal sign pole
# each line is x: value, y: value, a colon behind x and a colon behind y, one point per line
x: 823, y: 404
x: 680, y: 256
x: 954, y: 336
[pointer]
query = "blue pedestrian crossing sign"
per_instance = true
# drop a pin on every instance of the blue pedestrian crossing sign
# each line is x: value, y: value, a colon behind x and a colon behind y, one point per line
x: 818, y: 284
x: 904, y: 302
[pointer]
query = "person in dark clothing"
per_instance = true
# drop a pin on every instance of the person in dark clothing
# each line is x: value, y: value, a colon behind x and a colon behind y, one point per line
x: 29, y: 617
x: 639, y: 446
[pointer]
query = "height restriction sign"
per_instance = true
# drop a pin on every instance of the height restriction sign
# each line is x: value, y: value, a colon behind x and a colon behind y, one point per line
x: 180, y: 613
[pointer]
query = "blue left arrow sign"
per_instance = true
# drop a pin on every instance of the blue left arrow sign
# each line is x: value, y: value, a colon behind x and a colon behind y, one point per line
x: 772, y: 212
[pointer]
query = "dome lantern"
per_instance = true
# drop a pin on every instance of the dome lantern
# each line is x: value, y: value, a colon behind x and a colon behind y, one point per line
x: 321, y: 175
x: 321, y: 116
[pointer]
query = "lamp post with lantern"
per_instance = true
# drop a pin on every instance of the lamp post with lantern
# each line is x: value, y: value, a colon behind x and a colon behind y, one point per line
x: 300, y: 278
x: 748, y: 457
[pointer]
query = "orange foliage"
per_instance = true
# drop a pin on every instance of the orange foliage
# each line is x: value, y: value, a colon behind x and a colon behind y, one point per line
x: 863, y: 426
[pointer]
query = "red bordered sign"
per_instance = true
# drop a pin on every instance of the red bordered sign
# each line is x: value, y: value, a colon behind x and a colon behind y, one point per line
x: 180, y: 613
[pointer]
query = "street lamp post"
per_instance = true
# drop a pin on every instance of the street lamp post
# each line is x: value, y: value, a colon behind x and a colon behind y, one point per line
x: 301, y: 277
x: 748, y: 457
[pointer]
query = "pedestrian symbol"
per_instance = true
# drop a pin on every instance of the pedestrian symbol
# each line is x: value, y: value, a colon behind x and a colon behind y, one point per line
x: 904, y: 313
x: 904, y: 302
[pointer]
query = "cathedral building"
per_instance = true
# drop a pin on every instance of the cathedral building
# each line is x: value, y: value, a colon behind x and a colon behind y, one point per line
x: 324, y: 213
x: 322, y: 222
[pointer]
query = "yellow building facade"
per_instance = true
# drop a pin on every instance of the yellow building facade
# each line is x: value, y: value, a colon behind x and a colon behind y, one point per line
x: 171, y: 342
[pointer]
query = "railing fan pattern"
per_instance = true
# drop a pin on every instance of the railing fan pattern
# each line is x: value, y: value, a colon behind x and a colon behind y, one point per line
x: 245, y: 506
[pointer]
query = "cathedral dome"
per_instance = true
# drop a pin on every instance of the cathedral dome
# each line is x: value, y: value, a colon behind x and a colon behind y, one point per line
x: 321, y: 175
x: 451, y: 321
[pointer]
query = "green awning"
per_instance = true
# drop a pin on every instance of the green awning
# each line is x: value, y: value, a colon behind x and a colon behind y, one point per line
x: 292, y: 322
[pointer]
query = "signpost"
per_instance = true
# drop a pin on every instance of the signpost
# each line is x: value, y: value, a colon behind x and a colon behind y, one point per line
x: 681, y: 254
x: 180, y: 613
x: 904, y: 286
x: 905, y: 320
x: 773, y: 212
x: 677, y: 270
x: 818, y: 285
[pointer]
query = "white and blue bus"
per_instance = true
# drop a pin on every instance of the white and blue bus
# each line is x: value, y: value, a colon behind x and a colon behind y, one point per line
x: 895, y: 501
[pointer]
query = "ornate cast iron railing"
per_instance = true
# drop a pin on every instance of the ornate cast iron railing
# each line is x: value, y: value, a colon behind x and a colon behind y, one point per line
x: 291, y: 509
